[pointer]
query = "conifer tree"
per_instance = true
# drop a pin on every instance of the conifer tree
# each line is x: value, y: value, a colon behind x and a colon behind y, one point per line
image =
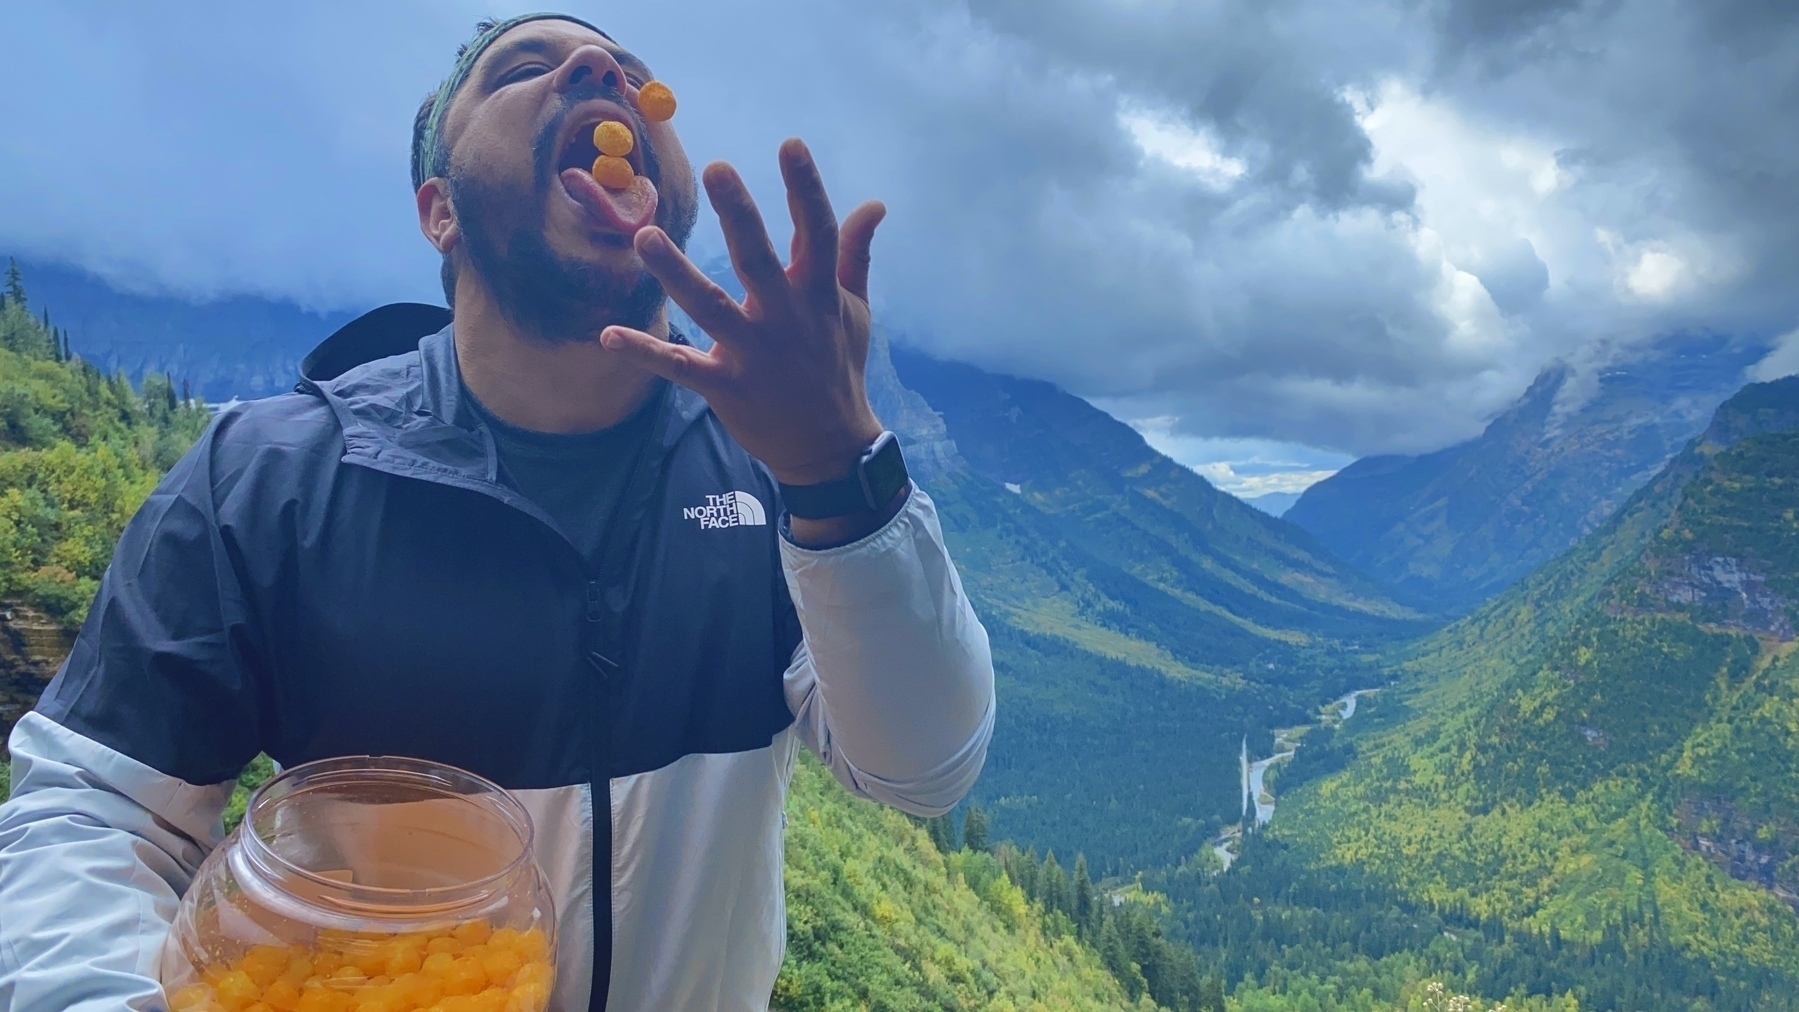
x: 15, y: 285
x: 1083, y: 895
x: 974, y: 828
x: 1211, y: 995
x: 942, y: 829
x: 1052, y: 886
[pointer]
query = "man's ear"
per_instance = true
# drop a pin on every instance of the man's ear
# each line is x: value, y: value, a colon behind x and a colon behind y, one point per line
x: 437, y: 217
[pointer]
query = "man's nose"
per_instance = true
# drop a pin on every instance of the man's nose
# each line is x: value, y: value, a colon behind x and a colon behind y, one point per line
x: 589, y: 65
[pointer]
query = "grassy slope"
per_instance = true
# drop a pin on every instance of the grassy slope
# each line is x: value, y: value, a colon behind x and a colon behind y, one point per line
x: 878, y: 918
x: 1578, y: 739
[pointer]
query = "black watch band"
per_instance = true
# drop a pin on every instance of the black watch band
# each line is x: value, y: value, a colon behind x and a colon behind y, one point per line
x: 878, y: 476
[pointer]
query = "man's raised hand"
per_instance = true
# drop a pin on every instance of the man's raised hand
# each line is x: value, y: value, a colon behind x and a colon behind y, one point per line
x: 785, y: 374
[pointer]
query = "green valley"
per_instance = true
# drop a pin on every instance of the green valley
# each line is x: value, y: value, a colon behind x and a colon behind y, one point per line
x: 1604, y: 754
x: 1143, y: 621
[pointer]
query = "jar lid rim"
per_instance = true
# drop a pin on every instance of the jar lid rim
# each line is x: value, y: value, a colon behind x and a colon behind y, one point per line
x: 436, y: 776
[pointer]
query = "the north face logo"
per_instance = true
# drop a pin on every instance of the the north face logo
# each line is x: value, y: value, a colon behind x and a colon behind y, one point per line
x: 733, y: 509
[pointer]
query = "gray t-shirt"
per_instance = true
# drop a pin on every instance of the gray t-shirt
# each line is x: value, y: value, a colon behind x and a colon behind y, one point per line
x: 576, y: 478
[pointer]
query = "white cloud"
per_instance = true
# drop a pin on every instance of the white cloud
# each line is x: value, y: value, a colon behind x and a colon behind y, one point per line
x: 1657, y: 274
x: 1180, y: 145
x: 1782, y: 361
x: 1242, y: 467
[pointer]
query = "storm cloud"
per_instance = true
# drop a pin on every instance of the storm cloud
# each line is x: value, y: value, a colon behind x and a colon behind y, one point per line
x: 1360, y: 227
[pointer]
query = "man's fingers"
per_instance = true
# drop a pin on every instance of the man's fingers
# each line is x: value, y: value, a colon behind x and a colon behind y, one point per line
x: 814, y: 223
x: 710, y: 306
x: 677, y: 363
x: 853, y: 252
x: 752, y: 254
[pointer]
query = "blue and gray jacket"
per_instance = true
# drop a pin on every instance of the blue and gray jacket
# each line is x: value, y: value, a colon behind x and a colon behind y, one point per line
x: 340, y: 571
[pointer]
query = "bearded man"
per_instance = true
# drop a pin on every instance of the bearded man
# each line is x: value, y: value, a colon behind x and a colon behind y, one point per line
x: 550, y: 542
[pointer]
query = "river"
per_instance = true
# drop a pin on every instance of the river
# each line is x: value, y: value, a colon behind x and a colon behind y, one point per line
x: 1286, y: 743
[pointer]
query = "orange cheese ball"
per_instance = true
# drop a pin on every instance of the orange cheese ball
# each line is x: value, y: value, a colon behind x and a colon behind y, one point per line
x: 657, y: 102
x: 613, y: 138
x: 469, y: 967
x: 612, y: 172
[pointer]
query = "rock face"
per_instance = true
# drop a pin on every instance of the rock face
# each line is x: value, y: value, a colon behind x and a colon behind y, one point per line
x: 32, y: 646
x: 1735, y: 590
x: 930, y: 452
x: 1452, y: 528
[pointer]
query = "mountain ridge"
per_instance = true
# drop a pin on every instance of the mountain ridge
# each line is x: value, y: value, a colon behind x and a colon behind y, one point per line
x: 1457, y: 526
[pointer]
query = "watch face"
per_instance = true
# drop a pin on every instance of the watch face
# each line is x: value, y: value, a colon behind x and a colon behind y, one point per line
x: 877, y: 478
x: 883, y: 471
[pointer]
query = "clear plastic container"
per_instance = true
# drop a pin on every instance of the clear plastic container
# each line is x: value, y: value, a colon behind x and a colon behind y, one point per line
x: 368, y: 884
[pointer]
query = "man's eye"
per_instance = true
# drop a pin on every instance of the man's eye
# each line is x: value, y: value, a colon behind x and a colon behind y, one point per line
x: 523, y: 72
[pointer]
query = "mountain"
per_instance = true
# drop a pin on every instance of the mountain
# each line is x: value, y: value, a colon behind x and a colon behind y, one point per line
x: 1450, y: 529
x: 1604, y: 755
x: 1274, y: 504
x: 1143, y: 622
x: 240, y: 346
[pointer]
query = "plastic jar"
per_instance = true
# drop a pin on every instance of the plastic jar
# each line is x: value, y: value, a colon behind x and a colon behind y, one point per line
x: 368, y: 884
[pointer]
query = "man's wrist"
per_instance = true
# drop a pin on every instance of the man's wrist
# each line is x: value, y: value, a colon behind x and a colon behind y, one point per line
x: 830, y: 465
x: 869, y: 485
x: 835, y: 532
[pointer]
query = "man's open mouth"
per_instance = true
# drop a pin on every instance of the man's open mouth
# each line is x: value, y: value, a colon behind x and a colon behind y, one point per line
x: 620, y: 209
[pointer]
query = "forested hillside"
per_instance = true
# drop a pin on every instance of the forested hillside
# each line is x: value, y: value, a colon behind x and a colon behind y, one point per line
x: 1452, y: 528
x: 79, y: 450
x: 1143, y: 621
x: 1604, y: 756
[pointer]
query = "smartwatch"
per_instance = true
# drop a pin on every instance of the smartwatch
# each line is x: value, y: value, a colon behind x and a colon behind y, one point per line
x: 879, y: 474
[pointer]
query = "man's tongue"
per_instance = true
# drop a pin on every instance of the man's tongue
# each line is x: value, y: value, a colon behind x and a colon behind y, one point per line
x: 626, y: 210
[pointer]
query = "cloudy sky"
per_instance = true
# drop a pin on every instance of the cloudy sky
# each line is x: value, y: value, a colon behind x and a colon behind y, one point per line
x: 1275, y: 235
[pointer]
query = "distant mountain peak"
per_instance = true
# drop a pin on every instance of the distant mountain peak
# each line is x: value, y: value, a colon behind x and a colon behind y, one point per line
x: 1453, y: 527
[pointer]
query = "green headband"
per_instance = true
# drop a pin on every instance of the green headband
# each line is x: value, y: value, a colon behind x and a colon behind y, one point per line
x: 427, y: 140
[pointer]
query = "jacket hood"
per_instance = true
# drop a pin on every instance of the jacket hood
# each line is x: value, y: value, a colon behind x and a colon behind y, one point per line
x: 392, y: 378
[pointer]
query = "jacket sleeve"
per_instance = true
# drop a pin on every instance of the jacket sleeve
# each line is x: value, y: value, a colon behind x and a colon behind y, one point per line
x: 892, y: 685
x: 121, y: 773
x: 95, y: 852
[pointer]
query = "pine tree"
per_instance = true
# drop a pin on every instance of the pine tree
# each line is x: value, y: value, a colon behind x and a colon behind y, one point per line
x: 1211, y: 994
x: 68, y: 353
x: 974, y: 829
x: 1083, y: 896
x: 942, y: 829
x: 1052, y: 885
x: 187, y: 395
x: 15, y: 285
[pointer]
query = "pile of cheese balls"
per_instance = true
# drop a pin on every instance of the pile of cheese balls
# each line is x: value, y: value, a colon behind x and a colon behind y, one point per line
x: 471, y: 967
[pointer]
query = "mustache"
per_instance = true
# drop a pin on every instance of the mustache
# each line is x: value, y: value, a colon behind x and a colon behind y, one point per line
x: 543, y: 149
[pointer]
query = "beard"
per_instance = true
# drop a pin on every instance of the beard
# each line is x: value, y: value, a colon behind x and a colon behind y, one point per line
x: 559, y: 299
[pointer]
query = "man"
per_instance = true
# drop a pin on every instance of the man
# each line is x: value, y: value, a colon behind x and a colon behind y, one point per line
x: 514, y: 546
